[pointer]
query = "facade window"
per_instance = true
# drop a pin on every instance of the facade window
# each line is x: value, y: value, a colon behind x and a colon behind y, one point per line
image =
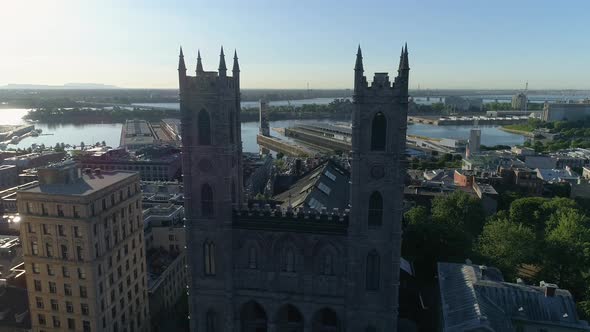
x: 68, y: 289
x: 34, y: 248
x: 75, y: 212
x: 52, y: 287
x: 84, y: 309
x: 69, y: 307
x: 378, y: 132
x: 41, y: 319
x: 83, y: 292
x: 86, y: 326
x: 77, y: 232
x: 37, y: 284
x: 50, y: 270
x: 30, y: 228
x: 54, y: 305
x: 64, y: 251
x: 81, y: 273
x: 60, y: 211
x: 373, y: 272
x: 56, y: 322
x: 209, y: 256
x: 43, y: 209
x: 375, y: 209
x: 204, y: 131
x: 252, y: 258
x: 206, y: 200
x: 65, y: 271
x: 49, y: 250
x: 35, y: 268
x: 29, y: 207
x: 104, y: 204
x: 289, y: 261
x: 80, y: 252
x: 39, y: 301
x: 60, y: 230
x: 45, y: 229
x: 71, y: 324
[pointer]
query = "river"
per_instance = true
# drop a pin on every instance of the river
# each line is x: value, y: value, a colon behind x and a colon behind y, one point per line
x: 110, y: 133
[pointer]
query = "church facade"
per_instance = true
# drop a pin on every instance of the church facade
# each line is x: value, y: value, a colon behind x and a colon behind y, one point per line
x: 257, y: 269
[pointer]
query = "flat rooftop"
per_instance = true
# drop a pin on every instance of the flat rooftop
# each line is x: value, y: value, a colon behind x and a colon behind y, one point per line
x: 86, y: 185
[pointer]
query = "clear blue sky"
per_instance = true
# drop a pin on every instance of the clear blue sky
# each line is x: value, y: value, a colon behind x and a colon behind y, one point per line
x: 286, y: 44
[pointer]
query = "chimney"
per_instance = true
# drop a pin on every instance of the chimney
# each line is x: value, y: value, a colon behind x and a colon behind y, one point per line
x: 97, y: 171
x: 548, y: 288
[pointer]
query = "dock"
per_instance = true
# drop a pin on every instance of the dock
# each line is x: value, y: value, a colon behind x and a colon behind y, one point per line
x: 278, y: 145
x: 467, y: 120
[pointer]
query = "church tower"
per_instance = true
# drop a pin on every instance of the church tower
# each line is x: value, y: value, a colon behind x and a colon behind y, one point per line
x: 212, y: 179
x: 374, y: 233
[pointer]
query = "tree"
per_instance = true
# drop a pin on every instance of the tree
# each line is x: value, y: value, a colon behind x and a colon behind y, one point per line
x: 280, y: 155
x: 528, y: 212
x: 416, y: 215
x: 461, y: 210
x: 507, y: 245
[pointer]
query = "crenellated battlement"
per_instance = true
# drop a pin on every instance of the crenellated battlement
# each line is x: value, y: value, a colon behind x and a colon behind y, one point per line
x: 302, y: 220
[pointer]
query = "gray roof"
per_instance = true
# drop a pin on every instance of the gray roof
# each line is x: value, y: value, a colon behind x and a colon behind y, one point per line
x: 476, y: 297
x: 86, y: 185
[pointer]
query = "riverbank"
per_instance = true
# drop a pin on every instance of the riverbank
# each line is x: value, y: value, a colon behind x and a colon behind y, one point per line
x: 516, y: 131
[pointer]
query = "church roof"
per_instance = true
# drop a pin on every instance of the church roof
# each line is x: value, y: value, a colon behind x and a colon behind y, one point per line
x: 326, y: 186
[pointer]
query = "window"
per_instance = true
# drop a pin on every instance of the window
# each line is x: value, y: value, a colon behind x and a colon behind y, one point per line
x: 60, y: 230
x: 375, y: 209
x: 71, y: 324
x: 35, y: 268
x: 84, y: 309
x: 39, y: 302
x: 378, y: 132
x: 204, y: 130
x: 52, y: 287
x: 289, y: 261
x: 77, y: 231
x: 49, y: 250
x: 64, y: 251
x: 209, y: 253
x: 41, y: 319
x: 34, y: 248
x: 328, y: 264
x: 86, y: 326
x: 80, y: 252
x: 50, y: 270
x: 45, y: 229
x: 327, y: 190
x: 76, y: 213
x: 252, y: 258
x: 30, y: 228
x: 373, y: 273
x: 54, y: 305
x: 69, y: 307
x: 211, y: 321
x: 104, y: 204
x: 60, y: 211
x: 83, y: 292
x: 56, y: 322
x: 65, y: 271
x: 38, y: 287
x: 206, y: 200
x: 29, y: 206
x: 68, y: 289
x: 81, y: 273
x: 43, y: 210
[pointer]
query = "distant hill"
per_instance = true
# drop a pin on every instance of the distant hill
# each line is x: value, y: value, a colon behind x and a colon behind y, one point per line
x: 71, y: 86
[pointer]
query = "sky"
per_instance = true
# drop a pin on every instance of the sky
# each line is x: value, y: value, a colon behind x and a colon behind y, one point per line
x: 454, y: 44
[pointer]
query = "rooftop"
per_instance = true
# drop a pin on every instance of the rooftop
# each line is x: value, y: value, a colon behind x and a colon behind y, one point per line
x: 85, y: 185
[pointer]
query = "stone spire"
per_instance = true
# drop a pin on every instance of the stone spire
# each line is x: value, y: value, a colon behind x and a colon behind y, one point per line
x: 199, y: 63
x: 181, y: 66
x: 222, y: 67
x: 359, y: 60
x: 236, y: 64
x: 404, y: 63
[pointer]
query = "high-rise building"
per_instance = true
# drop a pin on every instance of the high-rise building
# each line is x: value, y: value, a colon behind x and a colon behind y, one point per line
x: 519, y: 101
x: 284, y: 270
x: 84, y: 254
x: 264, y: 125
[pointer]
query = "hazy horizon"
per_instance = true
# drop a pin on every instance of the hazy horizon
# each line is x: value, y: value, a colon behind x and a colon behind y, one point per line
x: 287, y: 45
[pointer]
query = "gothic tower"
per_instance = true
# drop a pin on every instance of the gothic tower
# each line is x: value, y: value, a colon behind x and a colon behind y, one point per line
x: 211, y: 163
x: 374, y: 233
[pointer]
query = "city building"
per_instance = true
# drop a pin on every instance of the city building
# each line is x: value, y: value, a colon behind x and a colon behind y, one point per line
x: 463, y: 104
x: 476, y: 298
x: 8, y: 197
x: 35, y: 159
x: 558, y: 175
x: 84, y: 254
x: 565, y: 112
x: 519, y: 102
x: 14, y: 309
x: 490, y: 161
x: 474, y: 143
x: 160, y: 193
x: 264, y: 123
x: 172, y: 128
x: 8, y: 176
x: 257, y: 270
x: 153, y: 163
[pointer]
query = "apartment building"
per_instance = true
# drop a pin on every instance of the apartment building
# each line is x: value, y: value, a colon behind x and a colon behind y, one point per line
x: 84, y: 250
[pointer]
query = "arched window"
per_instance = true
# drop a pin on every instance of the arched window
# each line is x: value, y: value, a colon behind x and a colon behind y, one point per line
x: 206, y: 200
x: 373, y: 271
x: 378, y: 132
x: 211, y: 321
x: 375, y: 209
x: 289, y: 261
x: 252, y: 258
x: 328, y: 264
x: 204, y: 128
x: 209, y: 257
